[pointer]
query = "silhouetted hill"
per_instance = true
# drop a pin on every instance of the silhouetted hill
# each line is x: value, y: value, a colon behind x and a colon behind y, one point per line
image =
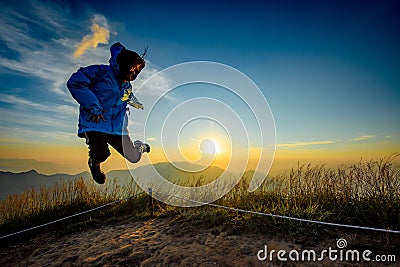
x: 169, y: 172
x: 177, y: 175
x: 14, y: 183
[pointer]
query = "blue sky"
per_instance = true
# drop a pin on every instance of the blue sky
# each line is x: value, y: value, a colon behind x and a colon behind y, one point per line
x: 328, y: 69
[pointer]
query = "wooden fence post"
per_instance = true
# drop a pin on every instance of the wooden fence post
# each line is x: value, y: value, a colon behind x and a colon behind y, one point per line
x: 150, y: 191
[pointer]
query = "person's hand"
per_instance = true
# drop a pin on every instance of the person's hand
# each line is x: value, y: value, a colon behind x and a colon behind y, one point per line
x: 136, y: 104
x: 97, y: 118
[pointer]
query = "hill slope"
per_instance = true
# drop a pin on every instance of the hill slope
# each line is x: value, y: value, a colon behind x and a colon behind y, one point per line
x: 15, y: 183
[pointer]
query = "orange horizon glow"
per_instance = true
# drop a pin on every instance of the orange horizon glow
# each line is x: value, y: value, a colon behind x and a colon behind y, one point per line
x: 73, y: 159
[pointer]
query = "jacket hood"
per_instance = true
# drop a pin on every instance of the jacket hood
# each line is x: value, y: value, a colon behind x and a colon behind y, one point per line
x: 115, y: 49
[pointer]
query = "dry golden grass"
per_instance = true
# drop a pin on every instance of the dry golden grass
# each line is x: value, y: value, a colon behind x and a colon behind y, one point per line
x: 365, y: 194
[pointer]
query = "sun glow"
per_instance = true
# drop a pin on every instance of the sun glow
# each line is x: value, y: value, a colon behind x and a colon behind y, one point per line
x: 209, y: 146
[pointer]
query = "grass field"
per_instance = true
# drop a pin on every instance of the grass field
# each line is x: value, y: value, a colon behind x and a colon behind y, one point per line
x: 364, y: 194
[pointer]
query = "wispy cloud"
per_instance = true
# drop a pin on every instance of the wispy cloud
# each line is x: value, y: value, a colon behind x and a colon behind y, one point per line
x: 303, y: 144
x: 48, y: 58
x: 99, y: 35
x: 52, y: 59
x: 363, y: 137
x: 35, y: 134
x: 38, y: 41
x: 19, y: 102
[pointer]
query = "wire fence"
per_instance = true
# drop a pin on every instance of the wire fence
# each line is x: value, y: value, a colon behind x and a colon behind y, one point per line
x: 285, y: 217
x: 151, y: 193
x: 71, y: 216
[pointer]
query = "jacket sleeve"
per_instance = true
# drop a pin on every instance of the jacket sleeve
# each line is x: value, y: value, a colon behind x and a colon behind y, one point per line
x: 79, y: 85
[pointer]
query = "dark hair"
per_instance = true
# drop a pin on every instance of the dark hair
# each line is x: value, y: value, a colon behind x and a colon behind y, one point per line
x: 129, y: 58
x: 126, y: 59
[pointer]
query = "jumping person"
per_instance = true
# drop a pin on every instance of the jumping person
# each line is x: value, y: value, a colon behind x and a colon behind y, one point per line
x: 103, y: 92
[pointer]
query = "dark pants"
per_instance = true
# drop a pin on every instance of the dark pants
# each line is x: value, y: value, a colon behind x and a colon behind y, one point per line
x: 98, y: 147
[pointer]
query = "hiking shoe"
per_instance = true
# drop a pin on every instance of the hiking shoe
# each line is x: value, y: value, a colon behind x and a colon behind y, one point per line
x: 142, y: 147
x: 97, y: 174
x: 146, y: 148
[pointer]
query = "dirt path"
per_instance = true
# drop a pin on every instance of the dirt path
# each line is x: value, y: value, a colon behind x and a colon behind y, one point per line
x: 153, y: 242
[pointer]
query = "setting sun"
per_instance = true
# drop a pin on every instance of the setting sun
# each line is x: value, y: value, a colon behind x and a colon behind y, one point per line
x: 209, y: 146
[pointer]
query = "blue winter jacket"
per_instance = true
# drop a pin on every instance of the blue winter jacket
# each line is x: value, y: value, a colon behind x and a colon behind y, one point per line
x: 97, y: 89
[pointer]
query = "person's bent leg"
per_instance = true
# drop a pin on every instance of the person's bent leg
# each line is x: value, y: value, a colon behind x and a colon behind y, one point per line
x: 132, y: 151
x: 98, y: 153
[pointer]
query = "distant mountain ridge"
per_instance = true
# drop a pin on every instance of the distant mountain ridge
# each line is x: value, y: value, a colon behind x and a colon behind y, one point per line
x: 183, y: 177
x: 17, y: 165
x: 15, y: 183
